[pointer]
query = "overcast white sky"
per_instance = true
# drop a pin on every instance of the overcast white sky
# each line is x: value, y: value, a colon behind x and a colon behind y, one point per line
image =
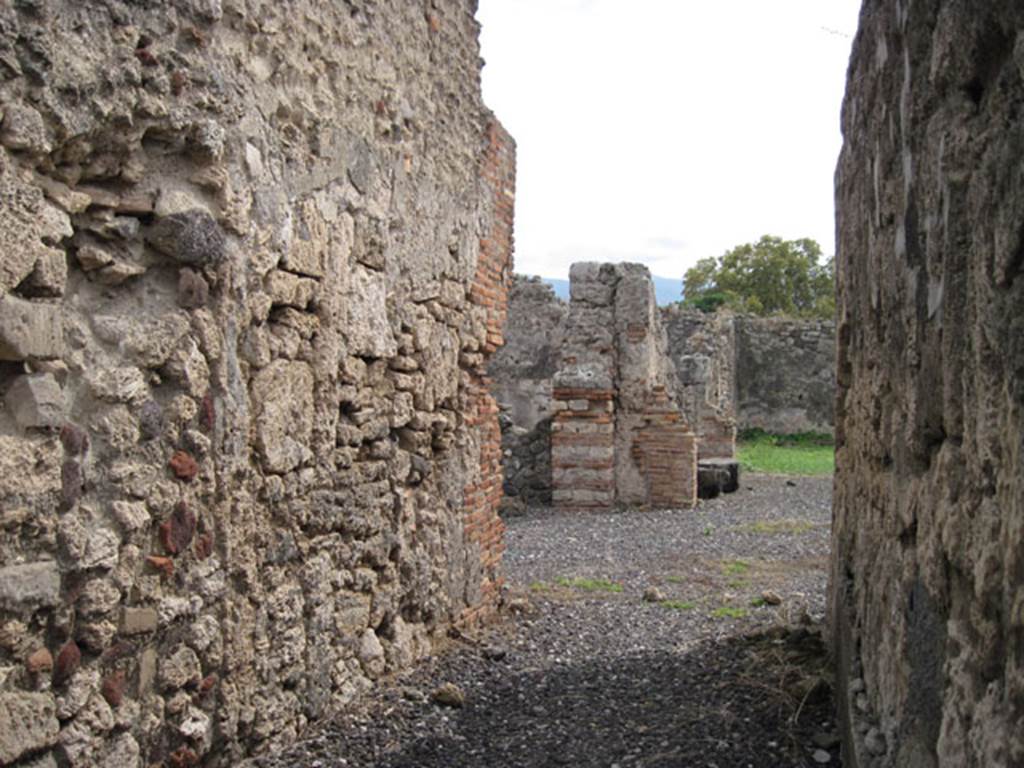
x: 662, y: 131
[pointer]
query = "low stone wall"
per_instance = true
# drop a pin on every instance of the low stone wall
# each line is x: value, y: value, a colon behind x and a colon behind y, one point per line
x: 775, y: 374
x: 253, y: 271
x: 526, y: 463
x: 927, y: 588
x: 785, y: 374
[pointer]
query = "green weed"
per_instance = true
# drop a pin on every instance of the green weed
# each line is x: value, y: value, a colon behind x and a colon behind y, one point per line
x: 589, y: 585
x: 735, y: 567
x: 729, y: 612
x: 773, y: 527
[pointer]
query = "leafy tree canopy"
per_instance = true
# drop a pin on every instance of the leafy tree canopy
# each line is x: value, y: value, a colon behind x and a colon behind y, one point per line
x: 770, y: 277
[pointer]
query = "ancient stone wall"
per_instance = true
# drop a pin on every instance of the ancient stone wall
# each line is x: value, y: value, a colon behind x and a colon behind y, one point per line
x: 776, y: 374
x: 927, y: 592
x: 728, y: 372
x: 522, y: 371
x: 254, y: 263
x: 785, y: 374
x: 702, y: 348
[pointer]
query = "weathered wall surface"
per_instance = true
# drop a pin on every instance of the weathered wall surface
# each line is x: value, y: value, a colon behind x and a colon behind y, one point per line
x: 618, y: 436
x: 702, y: 348
x: 253, y: 260
x: 927, y: 603
x: 776, y: 374
x: 785, y: 374
x: 522, y: 371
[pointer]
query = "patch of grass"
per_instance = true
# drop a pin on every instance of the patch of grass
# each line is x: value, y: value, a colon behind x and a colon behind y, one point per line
x: 735, y: 567
x: 729, y: 612
x: 773, y: 527
x: 803, y: 454
x: 678, y: 605
x: 539, y: 586
x: 792, y: 438
x: 758, y: 602
x: 589, y: 585
x: 675, y: 579
x: 737, y: 584
x: 708, y: 530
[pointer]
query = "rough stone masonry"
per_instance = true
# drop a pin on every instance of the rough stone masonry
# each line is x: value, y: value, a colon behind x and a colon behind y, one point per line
x: 253, y: 261
x: 927, y: 593
x: 770, y: 373
x: 522, y: 371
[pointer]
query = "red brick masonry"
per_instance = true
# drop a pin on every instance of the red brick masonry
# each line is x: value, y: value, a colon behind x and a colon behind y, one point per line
x: 583, y: 450
x: 489, y: 291
x: 666, y: 450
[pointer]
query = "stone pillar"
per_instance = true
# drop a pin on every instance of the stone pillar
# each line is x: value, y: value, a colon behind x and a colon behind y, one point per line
x: 619, y: 437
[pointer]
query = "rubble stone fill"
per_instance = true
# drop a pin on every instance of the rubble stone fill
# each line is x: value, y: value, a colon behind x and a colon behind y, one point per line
x: 254, y: 258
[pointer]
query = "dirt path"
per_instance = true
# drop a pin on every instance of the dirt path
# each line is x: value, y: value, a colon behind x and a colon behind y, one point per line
x: 586, y: 672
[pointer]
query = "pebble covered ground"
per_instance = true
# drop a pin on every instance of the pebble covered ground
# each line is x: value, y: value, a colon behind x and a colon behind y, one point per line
x: 656, y: 639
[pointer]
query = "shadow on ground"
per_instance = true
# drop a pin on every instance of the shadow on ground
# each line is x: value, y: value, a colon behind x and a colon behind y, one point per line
x: 759, y: 700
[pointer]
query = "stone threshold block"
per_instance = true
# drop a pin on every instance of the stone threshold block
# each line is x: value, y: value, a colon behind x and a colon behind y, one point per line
x: 716, y: 476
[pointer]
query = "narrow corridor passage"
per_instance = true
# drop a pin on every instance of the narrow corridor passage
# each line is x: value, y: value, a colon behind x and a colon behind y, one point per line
x: 643, y: 639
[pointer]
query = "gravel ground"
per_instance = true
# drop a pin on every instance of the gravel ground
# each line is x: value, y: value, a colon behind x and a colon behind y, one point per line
x: 584, y: 671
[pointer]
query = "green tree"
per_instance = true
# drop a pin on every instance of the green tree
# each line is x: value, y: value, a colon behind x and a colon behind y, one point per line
x: 769, y: 277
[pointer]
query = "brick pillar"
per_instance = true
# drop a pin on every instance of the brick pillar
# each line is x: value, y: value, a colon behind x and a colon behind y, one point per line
x: 484, y: 529
x: 666, y: 450
x: 583, y: 449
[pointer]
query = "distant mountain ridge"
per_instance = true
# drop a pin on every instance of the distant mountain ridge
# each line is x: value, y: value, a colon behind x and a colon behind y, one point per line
x: 666, y: 289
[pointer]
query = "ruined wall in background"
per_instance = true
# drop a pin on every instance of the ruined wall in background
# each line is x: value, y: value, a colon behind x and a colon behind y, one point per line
x: 702, y: 348
x: 254, y: 263
x: 522, y: 371
x: 772, y: 373
x: 727, y: 372
x: 927, y: 592
x: 785, y: 374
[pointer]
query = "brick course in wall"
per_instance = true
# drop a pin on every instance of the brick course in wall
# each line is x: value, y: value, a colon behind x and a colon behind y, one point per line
x: 582, y: 449
x: 716, y: 436
x: 666, y: 448
x: 489, y: 291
